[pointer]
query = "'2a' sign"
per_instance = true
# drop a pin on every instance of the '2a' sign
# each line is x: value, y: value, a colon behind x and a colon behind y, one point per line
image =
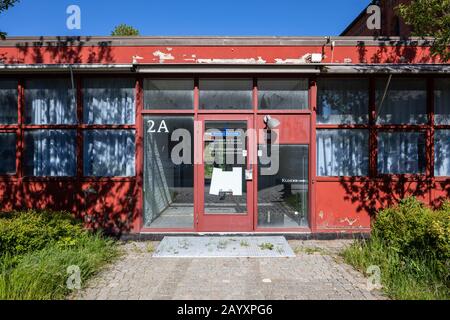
x: 155, y: 128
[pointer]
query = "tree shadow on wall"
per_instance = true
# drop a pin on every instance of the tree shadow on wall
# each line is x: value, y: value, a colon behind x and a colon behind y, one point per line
x: 69, y: 50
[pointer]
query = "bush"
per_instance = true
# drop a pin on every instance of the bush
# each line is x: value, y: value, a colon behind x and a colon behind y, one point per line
x: 42, y: 275
x: 411, y: 244
x: 22, y: 232
x: 414, y: 230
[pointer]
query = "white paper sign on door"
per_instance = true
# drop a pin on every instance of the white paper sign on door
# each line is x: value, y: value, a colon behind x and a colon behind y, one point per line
x: 226, y: 181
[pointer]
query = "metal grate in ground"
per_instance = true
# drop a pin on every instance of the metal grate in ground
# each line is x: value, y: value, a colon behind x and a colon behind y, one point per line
x: 223, y: 247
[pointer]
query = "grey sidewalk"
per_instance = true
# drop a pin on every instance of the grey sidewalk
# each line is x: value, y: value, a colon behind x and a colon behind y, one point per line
x: 315, y: 273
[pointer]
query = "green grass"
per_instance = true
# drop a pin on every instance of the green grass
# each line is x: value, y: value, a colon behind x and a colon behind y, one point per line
x: 403, y: 278
x: 36, y: 249
x: 42, y: 275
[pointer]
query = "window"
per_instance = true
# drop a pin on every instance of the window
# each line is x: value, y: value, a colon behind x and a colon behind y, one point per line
x: 283, y: 194
x: 50, y: 101
x: 442, y: 153
x: 226, y: 93
x: 405, y: 101
x: 283, y: 94
x: 442, y: 102
x: 342, y: 152
x: 343, y: 101
x: 109, y: 153
x: 7, y: 153
x: 169, y: 172
x: 169, y: 93
x: 401, y: 153
x: 109, y: 101
x: 50, y: 153
x: 8, y: 101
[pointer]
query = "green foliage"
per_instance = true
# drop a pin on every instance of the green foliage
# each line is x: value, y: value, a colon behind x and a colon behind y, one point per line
x: 37, y: 247
x: 430, y: 18
x: 411, y: 245
x: 22, y: 232
x: 124, y: 30
x: 42, y: 275
x: 5, y: 5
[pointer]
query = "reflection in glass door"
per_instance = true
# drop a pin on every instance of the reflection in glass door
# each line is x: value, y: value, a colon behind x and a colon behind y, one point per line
x: 225, y: 163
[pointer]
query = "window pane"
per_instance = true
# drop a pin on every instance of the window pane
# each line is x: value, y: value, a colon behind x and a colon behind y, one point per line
x: 50, y: 101
x: 109, y: 101
x: 283, y: 195
x: 109, y: 153
x: 401, y: 152
x: 169, y: 94
x: 7, y: 153
x: 168, y: 180
x: 50, y: 153
x: 442, y: 101
x: 405, y: 101
x: 283, y: 94
x: 343, y: 101
x: 342, y: 153
x: 8, y: 101
x: 226, y: 94
x: 442, y: 153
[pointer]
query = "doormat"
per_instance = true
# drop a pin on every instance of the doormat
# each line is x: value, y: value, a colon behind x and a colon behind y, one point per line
x: 223, y: 247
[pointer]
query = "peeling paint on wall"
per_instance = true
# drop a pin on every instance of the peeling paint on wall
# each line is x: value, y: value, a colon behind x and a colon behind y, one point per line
x: 163, y: 56
x: 349, y: 221
x: 233, y: 61
x: 306, y: 58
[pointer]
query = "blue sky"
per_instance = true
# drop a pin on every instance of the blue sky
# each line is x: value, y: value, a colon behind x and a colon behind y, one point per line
x: 189, y: 17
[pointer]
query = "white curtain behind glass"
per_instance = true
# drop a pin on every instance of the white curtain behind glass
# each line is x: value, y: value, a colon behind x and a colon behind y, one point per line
x: 442, y: 102
x: 50, y: 153
x: 442, y: 153
x: 401, y: 152
x: 50, y: 101
x: 8, y: 101
x: 342, y: 153
x: 405, y: 101
x: 109, y: 153
x: 109, y: 101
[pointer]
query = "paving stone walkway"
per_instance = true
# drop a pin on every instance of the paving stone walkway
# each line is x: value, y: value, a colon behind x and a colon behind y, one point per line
x: 315, y: 273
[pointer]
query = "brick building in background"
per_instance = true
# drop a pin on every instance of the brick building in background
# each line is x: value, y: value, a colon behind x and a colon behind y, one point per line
x: 391, y: 23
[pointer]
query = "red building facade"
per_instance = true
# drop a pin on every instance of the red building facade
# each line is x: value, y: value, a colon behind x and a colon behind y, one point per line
x: 97, y: 126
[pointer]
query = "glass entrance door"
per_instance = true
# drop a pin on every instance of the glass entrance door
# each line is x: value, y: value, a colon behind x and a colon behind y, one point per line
x: 226, y: 174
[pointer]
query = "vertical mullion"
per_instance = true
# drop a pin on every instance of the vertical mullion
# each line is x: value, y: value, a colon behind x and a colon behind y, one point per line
x: 430, y: 136
x: 79, y: 103
x: 20, y: 133
x: 373, y: 134
x: 139, y: 131
x: 313, y: 153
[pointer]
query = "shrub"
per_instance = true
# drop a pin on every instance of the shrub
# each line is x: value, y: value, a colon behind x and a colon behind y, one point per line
x: 411, y: 244
x: 412, y: 230
x: 42, y: 275
x: 22, y: 232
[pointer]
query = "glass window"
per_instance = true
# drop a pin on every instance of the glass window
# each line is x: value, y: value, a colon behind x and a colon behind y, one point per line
x: 109, y: 153
x: 442, y: 153
x: 401, y: 152
x: 342, y: 153
x: 8, y: 101
x: 109, y: 101
x: 442, y: 102
x: 405, y: 101
x: 50, y: 153
x: 283, y: 194
x: 283, y: 94
x: 50, y: 101
x: 169, y: 93
x: 343, y: 101
x: 7, y: 153
x: 169, y: 172
x: 226, y: 93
